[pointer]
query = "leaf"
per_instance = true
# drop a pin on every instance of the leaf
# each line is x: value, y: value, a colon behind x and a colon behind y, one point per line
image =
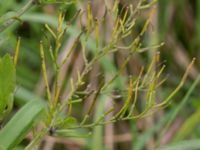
x: 70, y: 122
x: 72, y: 133
x: 7, y: 16
x: 183, y: 102
x: 18, y: 127
x: 7, y: 84
x: 188, y: 126
x: 23, y: 96
x: 97, y: 139
x: 183, y: 145
x: 7, y: 76
x: 142, y: 139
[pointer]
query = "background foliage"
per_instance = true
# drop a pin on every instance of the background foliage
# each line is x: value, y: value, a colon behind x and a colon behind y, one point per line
x: 176, y: 23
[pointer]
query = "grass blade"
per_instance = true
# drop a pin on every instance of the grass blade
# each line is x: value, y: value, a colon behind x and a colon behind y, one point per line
x: 184, y: 145
x: 183, y: 102
x: 17, y: 128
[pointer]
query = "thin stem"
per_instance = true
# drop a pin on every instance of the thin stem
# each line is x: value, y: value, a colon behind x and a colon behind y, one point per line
x: 44, y: 71
x: 12, y: 20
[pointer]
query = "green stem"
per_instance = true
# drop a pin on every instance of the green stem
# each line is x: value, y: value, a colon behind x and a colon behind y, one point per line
x: 12, y: 20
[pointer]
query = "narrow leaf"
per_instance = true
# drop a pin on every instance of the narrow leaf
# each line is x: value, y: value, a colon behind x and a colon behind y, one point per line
x: 18, y: 127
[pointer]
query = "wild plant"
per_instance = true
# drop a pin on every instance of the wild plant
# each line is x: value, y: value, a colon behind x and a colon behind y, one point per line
x: 55, y: 116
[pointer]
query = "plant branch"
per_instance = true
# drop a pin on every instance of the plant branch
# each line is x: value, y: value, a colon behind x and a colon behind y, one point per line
x: 12, y: 20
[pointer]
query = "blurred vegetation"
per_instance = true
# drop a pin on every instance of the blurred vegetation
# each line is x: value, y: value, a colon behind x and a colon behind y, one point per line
x: 176, y: 23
